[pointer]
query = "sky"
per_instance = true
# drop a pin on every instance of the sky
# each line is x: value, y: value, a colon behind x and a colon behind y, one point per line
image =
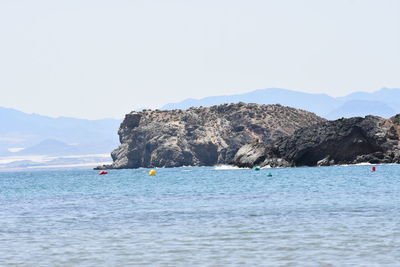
x: 96, y: 59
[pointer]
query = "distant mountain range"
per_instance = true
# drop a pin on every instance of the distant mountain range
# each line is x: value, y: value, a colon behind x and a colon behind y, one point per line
x: 37, y: 134
x: 384, y: 102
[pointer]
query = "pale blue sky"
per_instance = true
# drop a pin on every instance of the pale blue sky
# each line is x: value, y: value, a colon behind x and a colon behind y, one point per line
x: 96, y: 59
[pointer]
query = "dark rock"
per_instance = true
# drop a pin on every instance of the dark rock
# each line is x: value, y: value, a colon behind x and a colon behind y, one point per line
x: 345, y: 141
x: 103, y: 167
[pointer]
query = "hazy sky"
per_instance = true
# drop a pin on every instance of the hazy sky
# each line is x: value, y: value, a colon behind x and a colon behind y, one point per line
x: 95, y: 59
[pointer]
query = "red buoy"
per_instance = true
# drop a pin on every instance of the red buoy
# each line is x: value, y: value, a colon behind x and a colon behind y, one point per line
x: 373, y: 168
x: 103, y: 172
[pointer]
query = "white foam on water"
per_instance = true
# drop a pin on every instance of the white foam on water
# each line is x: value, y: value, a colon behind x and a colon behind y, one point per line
x: 228, y: 167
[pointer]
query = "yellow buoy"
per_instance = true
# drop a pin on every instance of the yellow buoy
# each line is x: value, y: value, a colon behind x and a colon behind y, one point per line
x: 152, y: 172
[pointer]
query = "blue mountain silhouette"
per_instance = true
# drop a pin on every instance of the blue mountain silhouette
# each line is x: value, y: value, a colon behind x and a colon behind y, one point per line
x: 19, y: 129
x: 384, y: 102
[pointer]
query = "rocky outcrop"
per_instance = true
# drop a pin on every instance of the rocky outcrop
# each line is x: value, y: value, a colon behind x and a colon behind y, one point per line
x: 258, y: 154
x: 345, y: 141
x: 201, y: 136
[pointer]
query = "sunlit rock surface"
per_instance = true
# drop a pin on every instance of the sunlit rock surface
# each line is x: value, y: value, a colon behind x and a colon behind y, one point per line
x: 202, y: 136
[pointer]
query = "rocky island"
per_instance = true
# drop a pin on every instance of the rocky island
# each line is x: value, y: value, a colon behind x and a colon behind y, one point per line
x: 202, y: 136
x: 248, y: 135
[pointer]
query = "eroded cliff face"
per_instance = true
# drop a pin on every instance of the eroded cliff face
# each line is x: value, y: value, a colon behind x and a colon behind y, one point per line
x: 346, y: 141
x: 202, y: 136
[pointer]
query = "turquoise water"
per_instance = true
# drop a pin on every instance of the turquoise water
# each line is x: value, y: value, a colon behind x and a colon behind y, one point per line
x: 201, y: 217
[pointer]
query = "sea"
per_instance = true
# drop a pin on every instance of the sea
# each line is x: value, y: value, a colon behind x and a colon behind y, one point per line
x: 202, y: 216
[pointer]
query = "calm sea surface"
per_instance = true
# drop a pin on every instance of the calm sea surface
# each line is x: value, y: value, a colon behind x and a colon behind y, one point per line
x: 340, y: 216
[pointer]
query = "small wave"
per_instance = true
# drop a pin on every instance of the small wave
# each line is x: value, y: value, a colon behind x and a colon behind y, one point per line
x: 362, y: 164
x: 366, y: 164
x: 227, y: 167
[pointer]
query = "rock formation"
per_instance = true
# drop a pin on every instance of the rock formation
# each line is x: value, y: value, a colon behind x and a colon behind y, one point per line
x: 345, y: 141
x: 201, y: 136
